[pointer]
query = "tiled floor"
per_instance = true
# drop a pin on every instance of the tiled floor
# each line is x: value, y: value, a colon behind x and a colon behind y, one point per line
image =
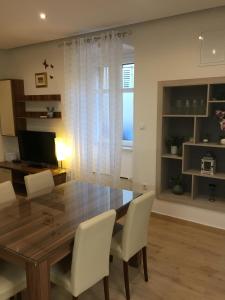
x: 186, y: 262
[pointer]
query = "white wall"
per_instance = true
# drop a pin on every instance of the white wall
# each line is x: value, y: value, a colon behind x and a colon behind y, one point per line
x: 23, y: 63
x: 164, y: 50
x: 167, y: 50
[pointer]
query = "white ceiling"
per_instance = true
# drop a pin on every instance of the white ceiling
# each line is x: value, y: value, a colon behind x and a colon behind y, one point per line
x: 20, y: 24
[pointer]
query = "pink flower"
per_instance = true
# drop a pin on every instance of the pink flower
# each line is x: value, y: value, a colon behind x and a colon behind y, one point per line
x: 220, y: 114
x: 222, y: 125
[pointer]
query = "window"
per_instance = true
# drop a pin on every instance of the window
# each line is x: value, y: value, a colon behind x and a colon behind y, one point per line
x: 128, y: 103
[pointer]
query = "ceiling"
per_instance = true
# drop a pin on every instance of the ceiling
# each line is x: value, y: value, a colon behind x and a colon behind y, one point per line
x: 20, y: 23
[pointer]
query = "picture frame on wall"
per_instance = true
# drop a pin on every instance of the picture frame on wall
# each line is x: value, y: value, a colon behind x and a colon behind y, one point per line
x: 41, y: 80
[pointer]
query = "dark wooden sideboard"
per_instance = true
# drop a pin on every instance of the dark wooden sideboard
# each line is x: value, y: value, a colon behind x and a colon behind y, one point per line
x: 19, y: 170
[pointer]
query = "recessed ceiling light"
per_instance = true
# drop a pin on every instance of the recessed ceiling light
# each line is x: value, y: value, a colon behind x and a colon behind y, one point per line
x: 201, y: 38
x: 42, y: 16
x: 213, y: 51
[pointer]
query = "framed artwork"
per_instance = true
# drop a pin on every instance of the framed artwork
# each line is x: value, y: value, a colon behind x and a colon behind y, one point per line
x: 41, y: 80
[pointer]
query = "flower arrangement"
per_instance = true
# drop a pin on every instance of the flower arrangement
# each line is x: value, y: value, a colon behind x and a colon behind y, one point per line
x: 220, y: 114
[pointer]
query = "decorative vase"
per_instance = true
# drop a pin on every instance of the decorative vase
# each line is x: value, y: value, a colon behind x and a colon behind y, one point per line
x: 222, y: 141
x: 178, y: 189
x: 212, y: 192
x: 174, y: 150
x: 50, y: 114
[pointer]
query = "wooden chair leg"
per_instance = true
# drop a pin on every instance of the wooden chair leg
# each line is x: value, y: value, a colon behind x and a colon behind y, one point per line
x: 144, y: 254
x: 106, y: 287
x: 19, y: 296
x: 126, y: 279
x: 111, y: 258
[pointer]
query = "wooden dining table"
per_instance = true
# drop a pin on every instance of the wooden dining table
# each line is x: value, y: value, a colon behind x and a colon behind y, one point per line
x: 37, y: 234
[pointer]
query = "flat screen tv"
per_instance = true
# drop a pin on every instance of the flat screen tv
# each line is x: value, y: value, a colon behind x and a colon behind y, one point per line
x: 37, y: 147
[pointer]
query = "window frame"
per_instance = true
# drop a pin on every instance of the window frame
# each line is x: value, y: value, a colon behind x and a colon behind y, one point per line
x: 128, y: 143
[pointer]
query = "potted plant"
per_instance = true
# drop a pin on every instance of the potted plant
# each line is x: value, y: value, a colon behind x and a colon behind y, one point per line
x: 174, y: 145
x: 50, y: 112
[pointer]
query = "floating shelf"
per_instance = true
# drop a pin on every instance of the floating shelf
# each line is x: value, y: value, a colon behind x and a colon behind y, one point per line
x: 52, y: 97
x: 39, y: 115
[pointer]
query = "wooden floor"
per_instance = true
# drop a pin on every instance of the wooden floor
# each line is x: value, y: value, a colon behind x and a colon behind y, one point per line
x: 186, y: 261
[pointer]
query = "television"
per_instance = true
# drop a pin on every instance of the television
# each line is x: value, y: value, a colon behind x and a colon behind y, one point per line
x: 37, y: 148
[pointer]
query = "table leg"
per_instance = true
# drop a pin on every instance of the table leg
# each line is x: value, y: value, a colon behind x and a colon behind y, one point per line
x: 38, y: 281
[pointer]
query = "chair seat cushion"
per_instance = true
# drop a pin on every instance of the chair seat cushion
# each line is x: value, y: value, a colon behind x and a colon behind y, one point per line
x: 12, y: 280
x: 61, y: 273
x: 116, y: 245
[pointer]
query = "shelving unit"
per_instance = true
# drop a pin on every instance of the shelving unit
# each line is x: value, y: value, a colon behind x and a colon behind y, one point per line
x: 22, y: 114
x: 187, y: 108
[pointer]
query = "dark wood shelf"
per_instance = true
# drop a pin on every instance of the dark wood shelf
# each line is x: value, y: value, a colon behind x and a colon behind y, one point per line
x: 39, y: 115
x: 52, y: 97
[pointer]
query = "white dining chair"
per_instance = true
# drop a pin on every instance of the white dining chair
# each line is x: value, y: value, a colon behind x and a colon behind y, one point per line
x: 7, y: 192
x: 39, y: 184
x: 133, y: 238
x: 12, y: 280
x: 90, y: 257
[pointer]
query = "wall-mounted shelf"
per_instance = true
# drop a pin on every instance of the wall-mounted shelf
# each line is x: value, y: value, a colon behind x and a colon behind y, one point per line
x: 187, y: 108
x: 51, y: 97
x: 22, y: 113
x: 40, y: 115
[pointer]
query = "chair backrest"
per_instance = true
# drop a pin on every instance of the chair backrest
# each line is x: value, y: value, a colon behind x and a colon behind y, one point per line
x: 39, y: 184
x: 90, y: 262
x: 7, y: 192
x: 135, y: 231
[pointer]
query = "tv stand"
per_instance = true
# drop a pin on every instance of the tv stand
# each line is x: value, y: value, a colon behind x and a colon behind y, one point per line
x: 19, y: 170
x: 36, y: 165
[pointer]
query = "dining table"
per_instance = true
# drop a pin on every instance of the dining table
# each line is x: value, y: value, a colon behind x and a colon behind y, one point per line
x: 35, y: 234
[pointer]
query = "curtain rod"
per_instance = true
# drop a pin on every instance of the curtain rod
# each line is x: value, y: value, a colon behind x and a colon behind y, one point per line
x: 68, y: 42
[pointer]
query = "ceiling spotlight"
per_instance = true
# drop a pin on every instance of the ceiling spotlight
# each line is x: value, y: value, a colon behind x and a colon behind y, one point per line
x: 201, y: 38
x: 42, y: 16
x: 213, y: 51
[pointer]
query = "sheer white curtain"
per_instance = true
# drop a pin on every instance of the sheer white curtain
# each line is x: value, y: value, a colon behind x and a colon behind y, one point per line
x: 93, y: 105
